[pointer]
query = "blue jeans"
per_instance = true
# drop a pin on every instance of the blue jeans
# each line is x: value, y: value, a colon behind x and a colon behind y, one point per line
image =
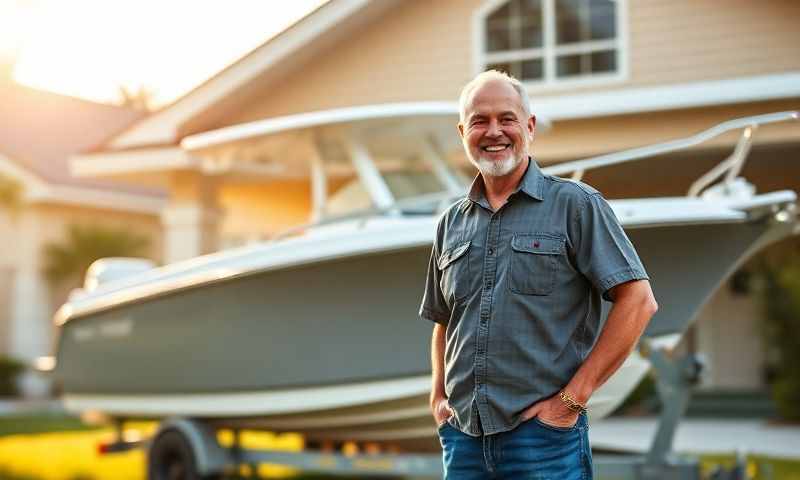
x: 533, y: 450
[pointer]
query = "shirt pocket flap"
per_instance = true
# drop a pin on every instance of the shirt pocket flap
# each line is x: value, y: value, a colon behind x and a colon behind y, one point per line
x: 453, y: 254
x: 537, y: 243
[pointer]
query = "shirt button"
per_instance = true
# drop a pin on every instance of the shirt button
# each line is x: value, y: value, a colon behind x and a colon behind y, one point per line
x: 491, y: 251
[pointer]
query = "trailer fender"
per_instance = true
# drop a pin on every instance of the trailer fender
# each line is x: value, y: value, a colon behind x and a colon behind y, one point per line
x: 210, y: 457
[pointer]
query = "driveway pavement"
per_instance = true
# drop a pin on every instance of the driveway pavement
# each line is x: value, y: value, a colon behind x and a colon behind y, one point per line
x: 753, y: 436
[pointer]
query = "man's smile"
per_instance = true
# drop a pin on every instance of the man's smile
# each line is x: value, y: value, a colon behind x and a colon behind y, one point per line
x: 496, y: 148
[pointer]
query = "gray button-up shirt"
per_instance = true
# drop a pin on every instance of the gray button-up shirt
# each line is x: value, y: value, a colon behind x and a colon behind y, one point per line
x: 519, y: 290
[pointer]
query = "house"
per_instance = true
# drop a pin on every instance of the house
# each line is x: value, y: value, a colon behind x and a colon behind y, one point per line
x: 38, y: 132
x: 609, y: 75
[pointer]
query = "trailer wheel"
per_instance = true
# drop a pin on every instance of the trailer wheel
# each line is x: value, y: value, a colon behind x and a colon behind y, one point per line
x: 170, y: 457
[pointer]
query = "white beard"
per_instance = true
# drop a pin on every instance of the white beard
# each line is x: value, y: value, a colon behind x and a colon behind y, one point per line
x: 494, y: 168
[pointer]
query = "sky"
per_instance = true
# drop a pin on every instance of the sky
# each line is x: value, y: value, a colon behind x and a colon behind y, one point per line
x: 88, y: 48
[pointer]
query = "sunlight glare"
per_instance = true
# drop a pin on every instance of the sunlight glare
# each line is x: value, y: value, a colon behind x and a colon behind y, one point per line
x: 89, y: 48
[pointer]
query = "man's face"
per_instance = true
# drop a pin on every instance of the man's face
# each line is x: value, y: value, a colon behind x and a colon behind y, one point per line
x: 495, y: 130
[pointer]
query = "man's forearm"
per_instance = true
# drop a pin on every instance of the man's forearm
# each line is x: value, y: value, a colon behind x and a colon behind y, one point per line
x: 437, y: 363
x: 627, y: 320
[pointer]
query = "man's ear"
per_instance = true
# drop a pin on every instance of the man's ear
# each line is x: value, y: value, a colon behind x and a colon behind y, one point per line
x: 532, y: 125
x: 460, y: 129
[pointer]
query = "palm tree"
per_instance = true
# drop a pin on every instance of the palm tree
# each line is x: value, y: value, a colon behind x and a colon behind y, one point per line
x: 68, y: 261
x: 137, y: 98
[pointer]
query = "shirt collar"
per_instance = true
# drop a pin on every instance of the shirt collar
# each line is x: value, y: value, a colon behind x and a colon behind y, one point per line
x: 532, y: 184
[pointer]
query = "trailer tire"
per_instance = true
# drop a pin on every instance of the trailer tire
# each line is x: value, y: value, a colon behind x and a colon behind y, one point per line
x: 170, y: 457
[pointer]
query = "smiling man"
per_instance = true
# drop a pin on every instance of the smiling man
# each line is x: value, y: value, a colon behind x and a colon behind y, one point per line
x: 515, y: 282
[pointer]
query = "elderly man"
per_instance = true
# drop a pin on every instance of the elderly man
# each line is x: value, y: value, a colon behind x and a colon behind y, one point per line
x: 514, y: 285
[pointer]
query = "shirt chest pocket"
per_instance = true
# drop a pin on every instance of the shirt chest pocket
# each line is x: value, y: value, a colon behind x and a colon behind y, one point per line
x: 533, y: 263
x: 453, y: 265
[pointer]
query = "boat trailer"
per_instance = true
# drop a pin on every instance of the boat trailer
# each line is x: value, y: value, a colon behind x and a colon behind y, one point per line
x: 185, y: 448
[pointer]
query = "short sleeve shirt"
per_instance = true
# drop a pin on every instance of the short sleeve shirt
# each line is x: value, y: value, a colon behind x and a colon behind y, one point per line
x: 520, y: 292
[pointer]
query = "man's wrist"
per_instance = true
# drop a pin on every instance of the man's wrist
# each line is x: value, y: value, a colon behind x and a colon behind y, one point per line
x: 436, y: 398
x: 580, y: 391
x: 570, y: 402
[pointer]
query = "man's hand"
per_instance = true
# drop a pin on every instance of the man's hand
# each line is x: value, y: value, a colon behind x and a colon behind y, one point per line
x: 441, y: 410
x: 552, y: 411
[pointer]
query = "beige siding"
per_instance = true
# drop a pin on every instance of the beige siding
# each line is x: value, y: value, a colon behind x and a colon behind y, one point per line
x: 592, y: 136
x: 694, y: 40
x: 422, y: 50
x: 418, y: 51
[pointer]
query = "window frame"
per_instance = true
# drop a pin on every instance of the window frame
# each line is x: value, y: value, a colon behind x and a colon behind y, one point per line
x: 550, y: 51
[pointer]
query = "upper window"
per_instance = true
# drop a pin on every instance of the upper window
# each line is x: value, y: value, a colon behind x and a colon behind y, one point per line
x: 546, y: 41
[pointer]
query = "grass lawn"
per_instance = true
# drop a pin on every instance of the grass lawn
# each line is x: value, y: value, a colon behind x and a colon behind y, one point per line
x: 39, y: 423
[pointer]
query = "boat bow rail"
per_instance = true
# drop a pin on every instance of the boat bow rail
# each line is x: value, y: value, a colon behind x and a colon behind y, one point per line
x: 731, y: 166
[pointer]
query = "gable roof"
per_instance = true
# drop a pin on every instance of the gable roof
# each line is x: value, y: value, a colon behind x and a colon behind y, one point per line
x: 40, y: 130
x: 325, y: 25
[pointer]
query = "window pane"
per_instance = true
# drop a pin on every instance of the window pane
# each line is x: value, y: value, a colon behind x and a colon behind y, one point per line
x: 530, y: 8
x: 531, y: 36
x: 497, y: 29
x: 530, y: 12
x: 604, y: 61
x: 501, y: 15
x: 524, y: 70
x: 603, y: 20
x: 515, y: 25
x: 569, y: 65
x: 568, y: 20
x: 532, y: 70
x: 587, y: 63
x: 503, y: 67
x: 497, y: 39
x: 584, y: 20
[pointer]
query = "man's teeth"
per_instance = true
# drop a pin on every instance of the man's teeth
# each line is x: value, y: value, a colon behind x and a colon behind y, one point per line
x: 495, y: 148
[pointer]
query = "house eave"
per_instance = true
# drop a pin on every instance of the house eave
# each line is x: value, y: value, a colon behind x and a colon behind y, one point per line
x: 626, y: 101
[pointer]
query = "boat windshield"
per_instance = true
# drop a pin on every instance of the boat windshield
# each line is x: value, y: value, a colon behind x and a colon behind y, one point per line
x: 353, y: 196
x: 412, y: 182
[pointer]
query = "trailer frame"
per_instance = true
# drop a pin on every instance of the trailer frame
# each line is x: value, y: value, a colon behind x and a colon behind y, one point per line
x: 197, y: 450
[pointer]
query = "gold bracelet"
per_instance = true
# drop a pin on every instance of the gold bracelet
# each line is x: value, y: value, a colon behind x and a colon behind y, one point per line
x: 570, y: 401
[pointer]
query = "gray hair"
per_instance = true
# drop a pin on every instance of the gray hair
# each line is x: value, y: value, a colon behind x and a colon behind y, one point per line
x: 486, y: 76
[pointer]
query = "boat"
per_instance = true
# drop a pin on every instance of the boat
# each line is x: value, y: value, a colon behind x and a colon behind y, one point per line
x: 316, y: 331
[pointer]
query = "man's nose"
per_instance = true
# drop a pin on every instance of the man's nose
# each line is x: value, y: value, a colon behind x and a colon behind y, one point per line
x: 494, y: 129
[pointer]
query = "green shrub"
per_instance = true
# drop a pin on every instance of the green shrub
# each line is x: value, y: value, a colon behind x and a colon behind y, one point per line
x: 9, y: 371
x: 780, y: 296
x: 68, y: 259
